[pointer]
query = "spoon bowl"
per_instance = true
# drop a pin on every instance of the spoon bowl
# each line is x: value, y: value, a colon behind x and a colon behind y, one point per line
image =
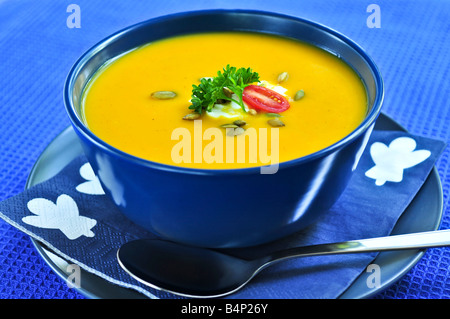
x: 184, y: 270
x: 205, y: 273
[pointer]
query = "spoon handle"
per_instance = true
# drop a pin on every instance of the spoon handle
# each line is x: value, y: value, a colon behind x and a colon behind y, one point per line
x: 419, y: 240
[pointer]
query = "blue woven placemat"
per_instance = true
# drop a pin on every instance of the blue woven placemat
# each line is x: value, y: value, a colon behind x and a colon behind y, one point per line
x: 38, y: 49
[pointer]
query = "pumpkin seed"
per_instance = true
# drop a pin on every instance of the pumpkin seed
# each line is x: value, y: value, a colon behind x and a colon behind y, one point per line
x: 164, y: 95
x: 221, y: 101
x: 299, y: 95
x: 275, y: 122
x: 229, y: 126
x: 239, y: 131
x: 273, y: 115
x: 191, y: 116
x: 283, y: 77
x: 240, y: 123
x: 230, y: 131
x: 228, y: 93
x: 252, y: 112
x: 235, y: 131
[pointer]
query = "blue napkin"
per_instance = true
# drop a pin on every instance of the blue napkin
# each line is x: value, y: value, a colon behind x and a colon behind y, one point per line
x: 70, y: 214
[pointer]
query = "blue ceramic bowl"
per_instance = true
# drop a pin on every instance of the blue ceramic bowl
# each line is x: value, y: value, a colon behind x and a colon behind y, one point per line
x: 246, y: 207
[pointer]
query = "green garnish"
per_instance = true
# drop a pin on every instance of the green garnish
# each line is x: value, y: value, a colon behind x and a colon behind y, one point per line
x: 206, y: 94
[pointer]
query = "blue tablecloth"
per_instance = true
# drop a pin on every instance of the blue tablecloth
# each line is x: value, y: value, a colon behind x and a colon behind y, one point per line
x: 37, y: 48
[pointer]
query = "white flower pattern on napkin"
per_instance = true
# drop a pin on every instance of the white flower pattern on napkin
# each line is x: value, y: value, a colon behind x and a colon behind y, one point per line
x: 63, y: 215
x: 92, y: 186
x: 390, y: 161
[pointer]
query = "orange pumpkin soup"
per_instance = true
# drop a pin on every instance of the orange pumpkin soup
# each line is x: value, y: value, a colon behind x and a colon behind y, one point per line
x: 139, y: 101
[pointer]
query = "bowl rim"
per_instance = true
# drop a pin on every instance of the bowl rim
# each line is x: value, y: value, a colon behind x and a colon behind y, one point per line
x: 79, y: 126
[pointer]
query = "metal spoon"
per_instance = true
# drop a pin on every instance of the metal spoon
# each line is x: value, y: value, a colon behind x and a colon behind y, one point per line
x: 205, y: 273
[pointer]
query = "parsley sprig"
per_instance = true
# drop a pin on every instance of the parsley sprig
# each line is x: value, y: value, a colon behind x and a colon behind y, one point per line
x: 210, y: 90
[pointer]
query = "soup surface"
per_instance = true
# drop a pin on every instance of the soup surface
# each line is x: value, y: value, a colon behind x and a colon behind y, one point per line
x: 119, y: 108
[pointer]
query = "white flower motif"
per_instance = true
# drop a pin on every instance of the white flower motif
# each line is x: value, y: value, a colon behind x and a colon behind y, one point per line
x: 92, y: 186
x: 390, y: 161
x: 63, y: 215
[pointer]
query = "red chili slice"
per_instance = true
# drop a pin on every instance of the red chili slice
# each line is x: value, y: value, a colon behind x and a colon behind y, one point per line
x: 263, y: 99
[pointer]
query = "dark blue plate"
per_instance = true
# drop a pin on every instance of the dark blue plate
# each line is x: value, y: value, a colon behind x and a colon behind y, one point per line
x: 423, y: 214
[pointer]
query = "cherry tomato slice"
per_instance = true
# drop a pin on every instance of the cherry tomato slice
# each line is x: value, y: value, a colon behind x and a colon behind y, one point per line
x: 263, y: 99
